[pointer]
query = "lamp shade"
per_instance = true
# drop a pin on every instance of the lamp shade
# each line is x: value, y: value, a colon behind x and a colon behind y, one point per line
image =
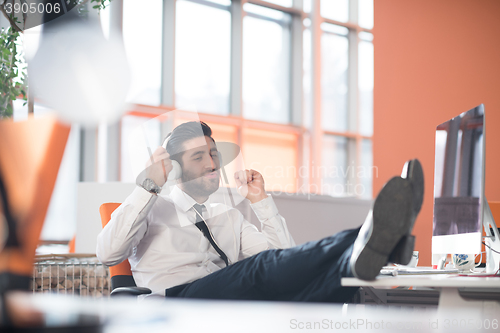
x: 79, y: 73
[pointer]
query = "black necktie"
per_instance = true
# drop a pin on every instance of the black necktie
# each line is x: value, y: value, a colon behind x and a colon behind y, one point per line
x: 200, y: 224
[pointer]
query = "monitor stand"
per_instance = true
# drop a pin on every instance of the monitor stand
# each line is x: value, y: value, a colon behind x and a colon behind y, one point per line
x: 492, y: 240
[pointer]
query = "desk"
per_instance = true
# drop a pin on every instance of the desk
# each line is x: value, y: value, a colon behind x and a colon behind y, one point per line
x: 483, y: 292
x: 181, y: 315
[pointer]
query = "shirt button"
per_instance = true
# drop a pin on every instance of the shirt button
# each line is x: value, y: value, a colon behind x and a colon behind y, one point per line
x: 279, y: 230
x: 267, y: 206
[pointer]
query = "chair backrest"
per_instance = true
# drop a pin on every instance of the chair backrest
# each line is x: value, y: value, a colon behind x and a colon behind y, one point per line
x: 121, y: 274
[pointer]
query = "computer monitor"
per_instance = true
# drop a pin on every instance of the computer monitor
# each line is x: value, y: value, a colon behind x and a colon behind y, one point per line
x: 460, y: 207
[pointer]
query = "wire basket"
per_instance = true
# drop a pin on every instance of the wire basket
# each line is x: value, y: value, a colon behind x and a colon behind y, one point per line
x: 79, y: 276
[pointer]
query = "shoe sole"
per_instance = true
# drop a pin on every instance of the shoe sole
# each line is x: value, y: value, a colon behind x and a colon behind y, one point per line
x: 403, y: 251
x: 414, y: 173
x: 392, y: 218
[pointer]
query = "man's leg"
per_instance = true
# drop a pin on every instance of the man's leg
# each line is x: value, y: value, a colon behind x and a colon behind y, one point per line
x: 285, y: 274
x: 386, y: 233
x: 312, y: 272
x: 326, y: 286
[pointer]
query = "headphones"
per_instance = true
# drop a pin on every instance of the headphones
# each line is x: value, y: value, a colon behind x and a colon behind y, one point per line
x: 176, y: 171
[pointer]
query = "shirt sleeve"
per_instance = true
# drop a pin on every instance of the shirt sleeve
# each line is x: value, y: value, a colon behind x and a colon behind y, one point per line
x: 126, y: 228
x: 273, y: 225
x: 252, y: 240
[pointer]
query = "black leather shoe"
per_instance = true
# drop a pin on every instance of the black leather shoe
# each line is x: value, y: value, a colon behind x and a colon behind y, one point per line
x: 413, y: 171
x: 403, y: 251
x: 387, y: 223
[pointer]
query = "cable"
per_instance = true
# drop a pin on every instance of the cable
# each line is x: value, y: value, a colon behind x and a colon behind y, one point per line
x: 490, y: 247
x: 230, y: 219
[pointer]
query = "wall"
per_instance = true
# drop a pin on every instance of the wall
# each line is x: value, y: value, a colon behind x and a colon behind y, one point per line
x: 433, y: 60
x: 315, y: 217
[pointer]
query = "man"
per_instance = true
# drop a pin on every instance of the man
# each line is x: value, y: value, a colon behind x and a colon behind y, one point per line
x: 185, y: 245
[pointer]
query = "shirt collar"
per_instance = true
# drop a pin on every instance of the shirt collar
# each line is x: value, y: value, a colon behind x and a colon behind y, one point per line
x: 184, y: 203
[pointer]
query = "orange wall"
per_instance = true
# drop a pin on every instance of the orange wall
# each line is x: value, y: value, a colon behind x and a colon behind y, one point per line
x: 433, y: 60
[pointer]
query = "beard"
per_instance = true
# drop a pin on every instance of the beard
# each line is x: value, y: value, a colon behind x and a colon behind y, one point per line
x: 198, y: 185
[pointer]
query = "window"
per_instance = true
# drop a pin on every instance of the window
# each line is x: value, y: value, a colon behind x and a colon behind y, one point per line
x: 365, y: 12
x: 274, y: 154
x: 337, y: 10
x: 202, y: 57
x: 365, y: 81
x: 334, y: 166
x: 346, y: 73
x: 284, y: 3
x: 290, y: 82
x: 266, y: 49
x: 142, y: 36
x: 334, y: 78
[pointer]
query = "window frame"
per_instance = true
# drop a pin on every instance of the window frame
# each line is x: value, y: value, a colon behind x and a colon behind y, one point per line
x: 309, y: 145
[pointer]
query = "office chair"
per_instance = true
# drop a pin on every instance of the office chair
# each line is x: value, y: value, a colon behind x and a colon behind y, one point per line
x: 122, y: 281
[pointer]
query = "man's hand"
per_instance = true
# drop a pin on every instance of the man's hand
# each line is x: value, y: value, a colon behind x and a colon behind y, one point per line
x: 250, y: 185
x: 157, y: 167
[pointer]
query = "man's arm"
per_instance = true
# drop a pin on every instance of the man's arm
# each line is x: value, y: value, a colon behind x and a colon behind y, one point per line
x: 273, y: 225
x: 128, y: 223
x: 126, y: 228
x: 251, y: 185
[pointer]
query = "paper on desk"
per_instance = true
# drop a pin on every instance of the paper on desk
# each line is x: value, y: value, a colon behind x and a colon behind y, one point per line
x: 391, y: 270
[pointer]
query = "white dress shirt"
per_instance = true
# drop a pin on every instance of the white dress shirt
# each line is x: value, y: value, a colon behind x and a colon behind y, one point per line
x: 164, y: 247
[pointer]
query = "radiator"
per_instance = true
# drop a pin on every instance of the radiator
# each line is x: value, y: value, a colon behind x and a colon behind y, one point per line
x: 79, y: 276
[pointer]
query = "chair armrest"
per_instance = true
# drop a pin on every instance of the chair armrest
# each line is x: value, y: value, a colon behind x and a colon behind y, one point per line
x: 130, y: 291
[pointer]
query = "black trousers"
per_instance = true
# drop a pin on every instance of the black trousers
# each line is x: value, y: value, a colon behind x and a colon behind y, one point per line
x: 310, y: 272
